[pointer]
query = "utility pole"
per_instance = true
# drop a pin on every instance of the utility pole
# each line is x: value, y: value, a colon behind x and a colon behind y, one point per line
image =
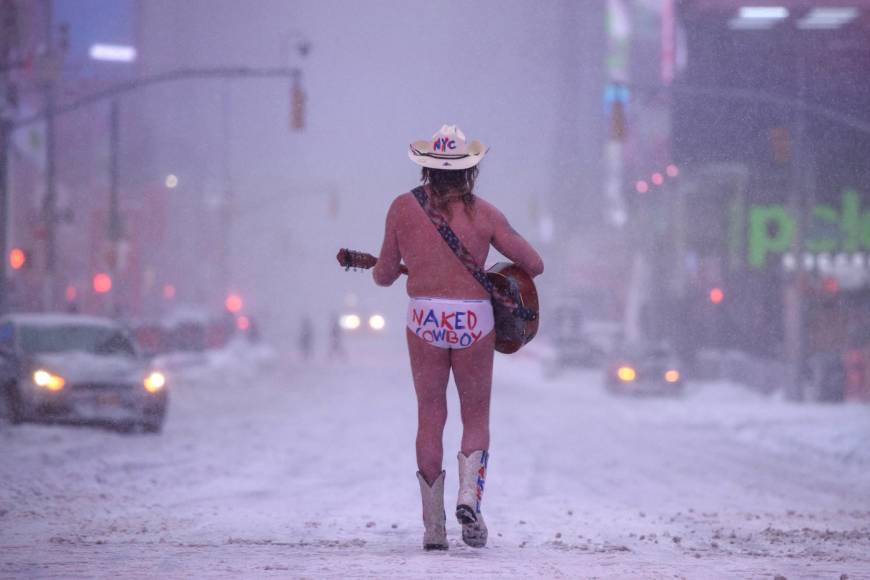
x: 49, y: 202
x: 115, y: 226
x: 5, y: 130
x: 793, y: 291
x: 8, y: 37
x: 225, y: 274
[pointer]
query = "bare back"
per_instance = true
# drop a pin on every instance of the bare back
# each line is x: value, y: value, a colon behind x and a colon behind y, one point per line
x: 433, y: 269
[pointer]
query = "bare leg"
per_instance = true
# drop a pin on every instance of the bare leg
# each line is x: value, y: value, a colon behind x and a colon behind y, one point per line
x: 430, y: 367
x: 472, y: 371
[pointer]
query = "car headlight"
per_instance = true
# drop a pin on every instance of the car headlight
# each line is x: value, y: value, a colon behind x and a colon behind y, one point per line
x: 47, y: 380
x: 154, y: 382
x: 626, y: 374
x: 349, y: 321
x: 377, y: 322
x: 672, y: 376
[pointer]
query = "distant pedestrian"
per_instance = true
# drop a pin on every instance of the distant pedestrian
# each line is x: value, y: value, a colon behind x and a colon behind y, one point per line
x: 253, y: 330
x: 306, y: 338
x: 336, y: 339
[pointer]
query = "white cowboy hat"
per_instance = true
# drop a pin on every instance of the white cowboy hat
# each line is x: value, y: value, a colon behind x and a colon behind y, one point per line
x: 447, y: 150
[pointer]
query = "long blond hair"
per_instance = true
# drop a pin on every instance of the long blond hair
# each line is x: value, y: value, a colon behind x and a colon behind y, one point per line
x: 448, y: 186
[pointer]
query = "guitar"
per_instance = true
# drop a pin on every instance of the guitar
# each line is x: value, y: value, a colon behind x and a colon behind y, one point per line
x: 511, y: 332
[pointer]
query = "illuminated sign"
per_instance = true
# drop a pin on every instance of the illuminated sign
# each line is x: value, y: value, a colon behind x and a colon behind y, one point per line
x: 844, y: 229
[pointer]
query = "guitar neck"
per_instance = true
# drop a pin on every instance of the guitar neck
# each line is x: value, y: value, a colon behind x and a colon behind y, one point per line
x: 352, y: 259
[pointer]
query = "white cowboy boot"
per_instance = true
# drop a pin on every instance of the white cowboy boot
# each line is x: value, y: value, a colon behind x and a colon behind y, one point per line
x: 472, y: 476
x: 434, y: 518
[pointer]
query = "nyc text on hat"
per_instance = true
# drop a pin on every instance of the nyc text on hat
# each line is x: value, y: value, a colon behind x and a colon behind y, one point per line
x: 447, y: 150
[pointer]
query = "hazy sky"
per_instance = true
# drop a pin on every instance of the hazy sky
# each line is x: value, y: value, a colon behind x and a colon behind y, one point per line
x: 380, y: 75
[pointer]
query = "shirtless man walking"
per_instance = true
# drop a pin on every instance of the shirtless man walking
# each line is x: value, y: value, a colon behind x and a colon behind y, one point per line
x: 450, y: 319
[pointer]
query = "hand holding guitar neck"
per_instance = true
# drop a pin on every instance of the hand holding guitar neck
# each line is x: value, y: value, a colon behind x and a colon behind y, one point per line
x: 353, y: 259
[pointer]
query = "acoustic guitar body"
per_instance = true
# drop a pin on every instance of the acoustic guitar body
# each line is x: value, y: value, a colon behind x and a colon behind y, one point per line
x: 511, y: 332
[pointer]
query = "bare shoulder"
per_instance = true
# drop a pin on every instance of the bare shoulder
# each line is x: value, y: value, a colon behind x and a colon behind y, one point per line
x: 402, y: 202
x: 402, y: 199
x: 487, y: 210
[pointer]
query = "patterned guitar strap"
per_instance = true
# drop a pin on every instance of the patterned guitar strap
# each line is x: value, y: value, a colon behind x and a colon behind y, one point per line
x: 467, y: 260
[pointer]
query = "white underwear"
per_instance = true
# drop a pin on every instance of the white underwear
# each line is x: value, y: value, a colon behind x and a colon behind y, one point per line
x: 447, y: 323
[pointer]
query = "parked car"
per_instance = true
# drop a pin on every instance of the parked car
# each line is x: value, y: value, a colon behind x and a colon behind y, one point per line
x: 578, y: 341
x: 573, y: 348
x: 191, y: 328
x: 644, y: 369
x: 151, y: 338
x: 66, y: 367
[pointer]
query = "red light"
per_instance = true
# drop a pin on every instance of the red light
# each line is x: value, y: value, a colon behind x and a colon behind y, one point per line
x: 717, y: 296
x: 234, y: 303
x: 243, y: 323
x: 102, y: 283
x: 641, y: 186
x: 70, y: 293
x: 657, y: 178
x: 168, y: 291
x: 672, y: 170
x: 830, y: 285
x: 17, y: 258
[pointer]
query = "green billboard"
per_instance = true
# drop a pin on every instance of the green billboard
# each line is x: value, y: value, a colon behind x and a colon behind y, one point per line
x: 829, y: 229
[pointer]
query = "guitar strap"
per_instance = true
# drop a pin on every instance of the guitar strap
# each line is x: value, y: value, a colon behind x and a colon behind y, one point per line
x: 464, y: 256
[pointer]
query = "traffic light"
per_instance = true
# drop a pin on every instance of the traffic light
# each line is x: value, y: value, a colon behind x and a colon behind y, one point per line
x: 830, y: 285
x: 102, y: 283
x: 716, y: 296
x: 18, y: 258
x: 234, y: 303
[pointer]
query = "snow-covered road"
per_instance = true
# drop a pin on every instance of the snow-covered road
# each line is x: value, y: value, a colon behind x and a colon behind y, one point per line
x: 278, y: 469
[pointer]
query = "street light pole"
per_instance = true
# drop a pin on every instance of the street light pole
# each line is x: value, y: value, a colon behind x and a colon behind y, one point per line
x: 49, y: 202
x: 5, y: 131
x: 227, y: 203
x: 115, y: 226
x: 793, y: 291
x: 184, y: 74
x: 8, y: 38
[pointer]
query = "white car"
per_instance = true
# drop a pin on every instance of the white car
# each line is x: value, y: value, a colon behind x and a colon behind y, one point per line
x: 59, y: 367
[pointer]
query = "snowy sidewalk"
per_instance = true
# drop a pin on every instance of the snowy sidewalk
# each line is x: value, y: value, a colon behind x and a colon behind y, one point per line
x: 276, y: 469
